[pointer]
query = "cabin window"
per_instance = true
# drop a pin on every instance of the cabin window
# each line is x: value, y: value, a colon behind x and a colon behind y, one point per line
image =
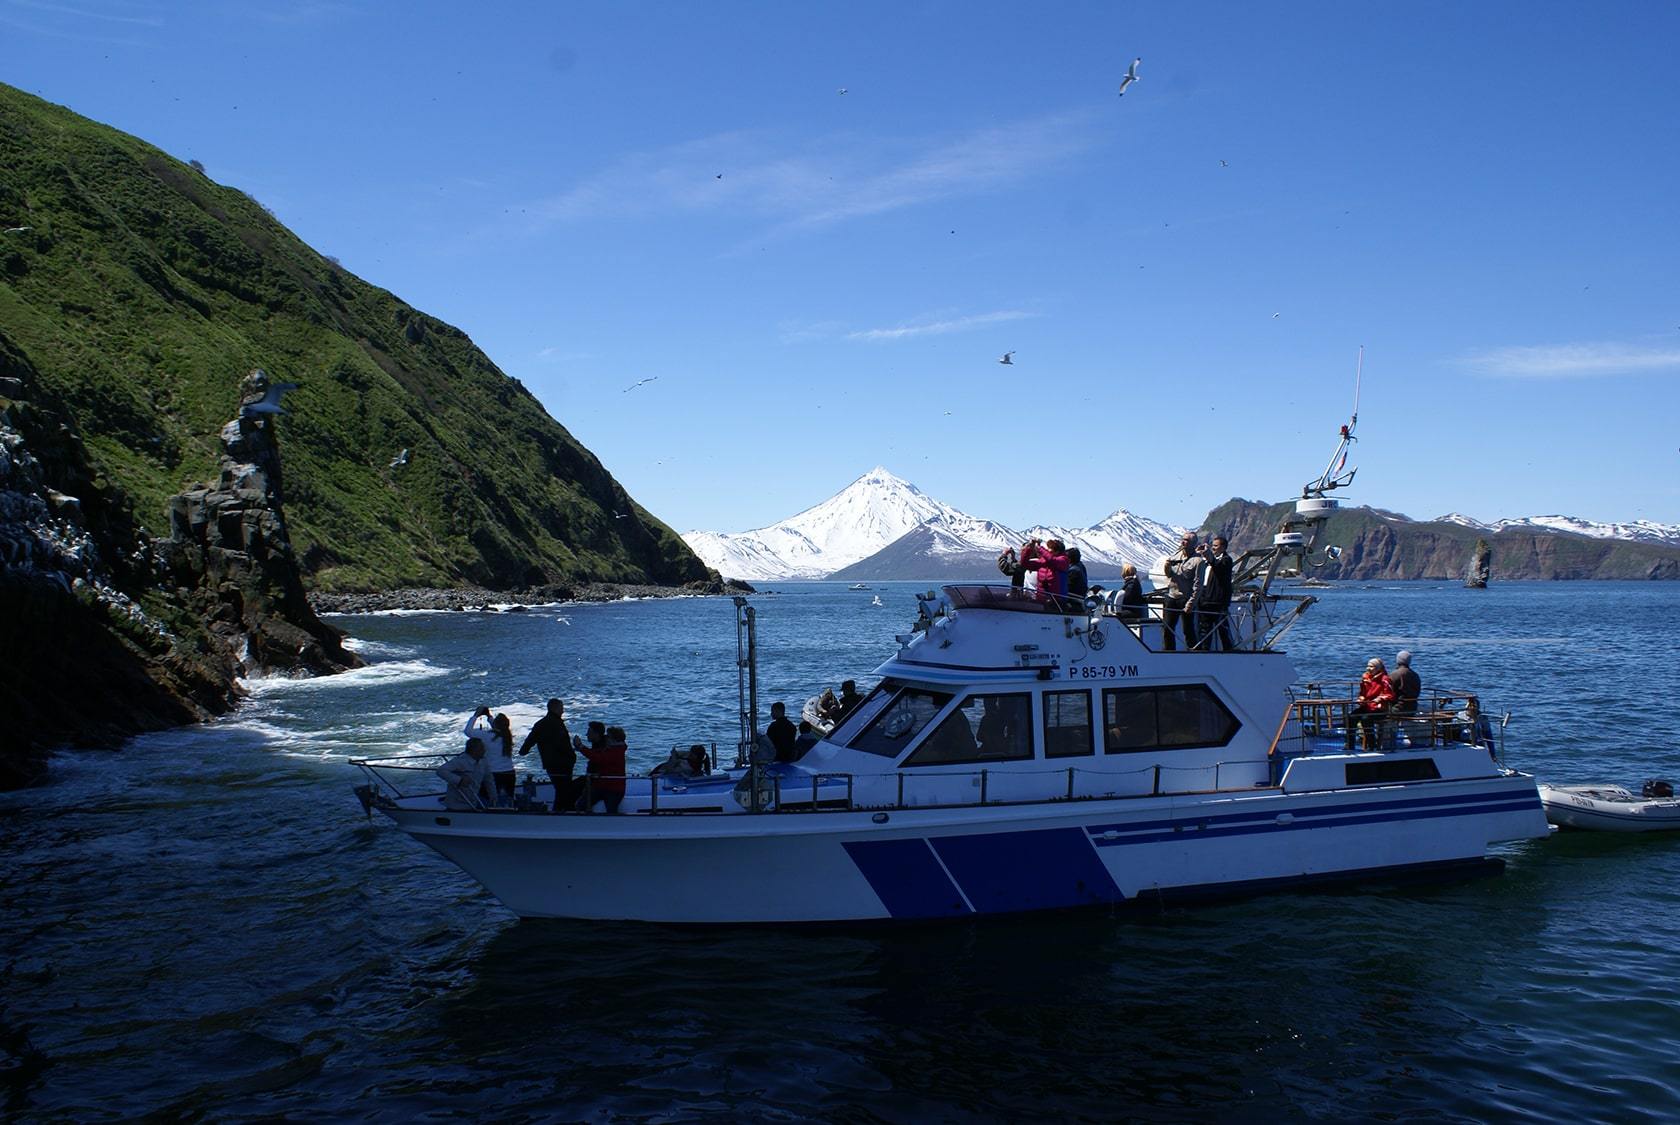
x: 899, y: 722
x: 986, y: 728
x: 1164, y: 718
x: 1405, y: 769
x: 865, y: 711
x: 1067, y: 724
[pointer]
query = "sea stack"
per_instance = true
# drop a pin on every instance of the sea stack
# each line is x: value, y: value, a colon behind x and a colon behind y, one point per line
x: 1481, y: 566
x: 228, y: 549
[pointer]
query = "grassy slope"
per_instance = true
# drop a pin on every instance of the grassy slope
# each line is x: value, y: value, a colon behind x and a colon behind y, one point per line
x: 145, y: 291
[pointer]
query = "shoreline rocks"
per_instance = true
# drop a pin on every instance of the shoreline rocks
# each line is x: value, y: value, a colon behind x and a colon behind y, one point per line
x: 477, y: 598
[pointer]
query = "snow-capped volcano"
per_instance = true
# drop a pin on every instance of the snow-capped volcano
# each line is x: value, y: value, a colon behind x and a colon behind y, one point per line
x: 879, y: 509
x: 853, y: 524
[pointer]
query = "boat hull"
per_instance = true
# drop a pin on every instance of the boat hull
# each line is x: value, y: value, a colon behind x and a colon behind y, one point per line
x: 929, y: 863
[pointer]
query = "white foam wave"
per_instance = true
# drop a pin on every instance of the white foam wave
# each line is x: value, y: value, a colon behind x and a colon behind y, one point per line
x: 387, y: 672
x: 361, y: 646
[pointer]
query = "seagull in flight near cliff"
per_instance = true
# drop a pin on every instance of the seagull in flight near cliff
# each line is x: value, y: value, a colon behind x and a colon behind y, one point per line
x: 1004, y: 358
x: 621, y: 515
x: 1131, y: 76
x: 639, y: 382
x: 269, y: 403
x: 399, y: 460
x: 18, y: 230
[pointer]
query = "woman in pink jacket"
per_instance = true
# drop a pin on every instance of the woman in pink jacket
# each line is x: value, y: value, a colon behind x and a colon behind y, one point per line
x: 1052, y: 568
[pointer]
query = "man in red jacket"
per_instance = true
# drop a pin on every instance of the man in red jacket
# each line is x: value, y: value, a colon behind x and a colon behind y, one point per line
x: 1376, y: 694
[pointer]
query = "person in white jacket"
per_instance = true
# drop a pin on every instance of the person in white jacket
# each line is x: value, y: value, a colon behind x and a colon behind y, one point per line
x: 497, y: 735
x: 468, y: 776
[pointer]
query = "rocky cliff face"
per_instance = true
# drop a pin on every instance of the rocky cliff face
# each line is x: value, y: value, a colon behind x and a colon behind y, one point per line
x: 107, y: 632
x: 230, y: 557
x: 1385, y: 545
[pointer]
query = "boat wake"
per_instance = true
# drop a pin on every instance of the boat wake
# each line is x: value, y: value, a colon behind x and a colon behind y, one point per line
x: 382, y: 674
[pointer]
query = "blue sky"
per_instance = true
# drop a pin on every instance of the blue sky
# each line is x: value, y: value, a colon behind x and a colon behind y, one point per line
x: 1483, y: 195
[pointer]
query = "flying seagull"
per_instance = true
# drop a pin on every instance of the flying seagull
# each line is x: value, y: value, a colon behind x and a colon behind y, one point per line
x: 399, y: 460
x: 639, y: 382
x: 1005, y: 358
x: 18, y: 230
x: 270, y: 401
x: 621, y: 515
x: 1131, y: 76
x: 842, y: 89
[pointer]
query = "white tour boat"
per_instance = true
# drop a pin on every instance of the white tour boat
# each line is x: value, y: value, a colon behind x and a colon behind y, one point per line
x: 1022, y: 751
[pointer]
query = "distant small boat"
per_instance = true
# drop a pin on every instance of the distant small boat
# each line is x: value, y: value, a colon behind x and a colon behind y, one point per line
x: 1610, y: 808
x: 859, y: 586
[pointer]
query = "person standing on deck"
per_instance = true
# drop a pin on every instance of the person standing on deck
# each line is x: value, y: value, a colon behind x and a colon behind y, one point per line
x: 1052, y: 568
x: 1407, y: 684
x: 1078, y: 584
x: 554, y: 747
x: 1213, y: 598
x: 1181, y: 585
x: 606, y: 768
x: 497, y: 735
x: 781, y: 732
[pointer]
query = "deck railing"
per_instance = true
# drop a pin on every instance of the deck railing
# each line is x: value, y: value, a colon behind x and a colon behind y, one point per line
x: 1329, y: 710
x: 388, y: 777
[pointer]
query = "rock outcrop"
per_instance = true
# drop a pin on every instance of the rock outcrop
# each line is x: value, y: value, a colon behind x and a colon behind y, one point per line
x: 107, y: 632
x: 231, y: 559
x: 1476, y: 575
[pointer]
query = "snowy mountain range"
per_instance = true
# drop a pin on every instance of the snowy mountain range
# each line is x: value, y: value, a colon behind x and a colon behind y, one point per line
x: 1640, y: 531
x: 915, y: 535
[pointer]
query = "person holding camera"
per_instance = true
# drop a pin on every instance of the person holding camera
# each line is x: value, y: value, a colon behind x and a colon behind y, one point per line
x: 1182, y: 570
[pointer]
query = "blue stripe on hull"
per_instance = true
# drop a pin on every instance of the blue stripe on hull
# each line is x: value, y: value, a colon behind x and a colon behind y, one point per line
x: 1269, y: 815
x: 1044, y: 869
x: 1207, y: 828
x: 907, y: 877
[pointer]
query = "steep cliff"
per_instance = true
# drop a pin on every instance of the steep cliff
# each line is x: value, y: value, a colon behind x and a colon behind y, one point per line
x: 95, y: 644
x: 1377, y: 544
x: 138, y: 286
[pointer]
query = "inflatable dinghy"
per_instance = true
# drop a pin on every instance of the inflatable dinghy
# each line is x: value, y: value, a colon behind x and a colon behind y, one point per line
x: 1610, y: 808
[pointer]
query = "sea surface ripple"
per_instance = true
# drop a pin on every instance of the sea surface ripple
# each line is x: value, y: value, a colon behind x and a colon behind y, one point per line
x: 204, y: 926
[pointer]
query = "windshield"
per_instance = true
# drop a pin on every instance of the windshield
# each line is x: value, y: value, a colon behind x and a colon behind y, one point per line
x: 898, y: 722
x: 859, y: 717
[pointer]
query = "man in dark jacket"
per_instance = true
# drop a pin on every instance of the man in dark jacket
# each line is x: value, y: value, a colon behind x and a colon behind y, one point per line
x: 1213, y: 599
x: 554, y: 747
x: 781, y: 732
x: 1077, y: 582
x: 1406, y: 683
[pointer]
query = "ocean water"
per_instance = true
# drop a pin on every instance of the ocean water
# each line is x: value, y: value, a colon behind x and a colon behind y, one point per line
x: 204, y: 926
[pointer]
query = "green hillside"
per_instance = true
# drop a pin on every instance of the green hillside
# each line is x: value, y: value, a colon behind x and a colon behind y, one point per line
x: 142, y: 292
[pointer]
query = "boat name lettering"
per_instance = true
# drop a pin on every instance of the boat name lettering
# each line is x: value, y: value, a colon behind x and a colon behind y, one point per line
x: 1102, y: 671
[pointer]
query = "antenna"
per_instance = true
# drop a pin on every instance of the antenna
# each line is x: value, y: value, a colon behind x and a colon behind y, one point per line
x: 1333, y: 477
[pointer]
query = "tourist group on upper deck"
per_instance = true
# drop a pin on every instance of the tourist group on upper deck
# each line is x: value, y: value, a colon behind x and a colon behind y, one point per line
x: 1196, y: 602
